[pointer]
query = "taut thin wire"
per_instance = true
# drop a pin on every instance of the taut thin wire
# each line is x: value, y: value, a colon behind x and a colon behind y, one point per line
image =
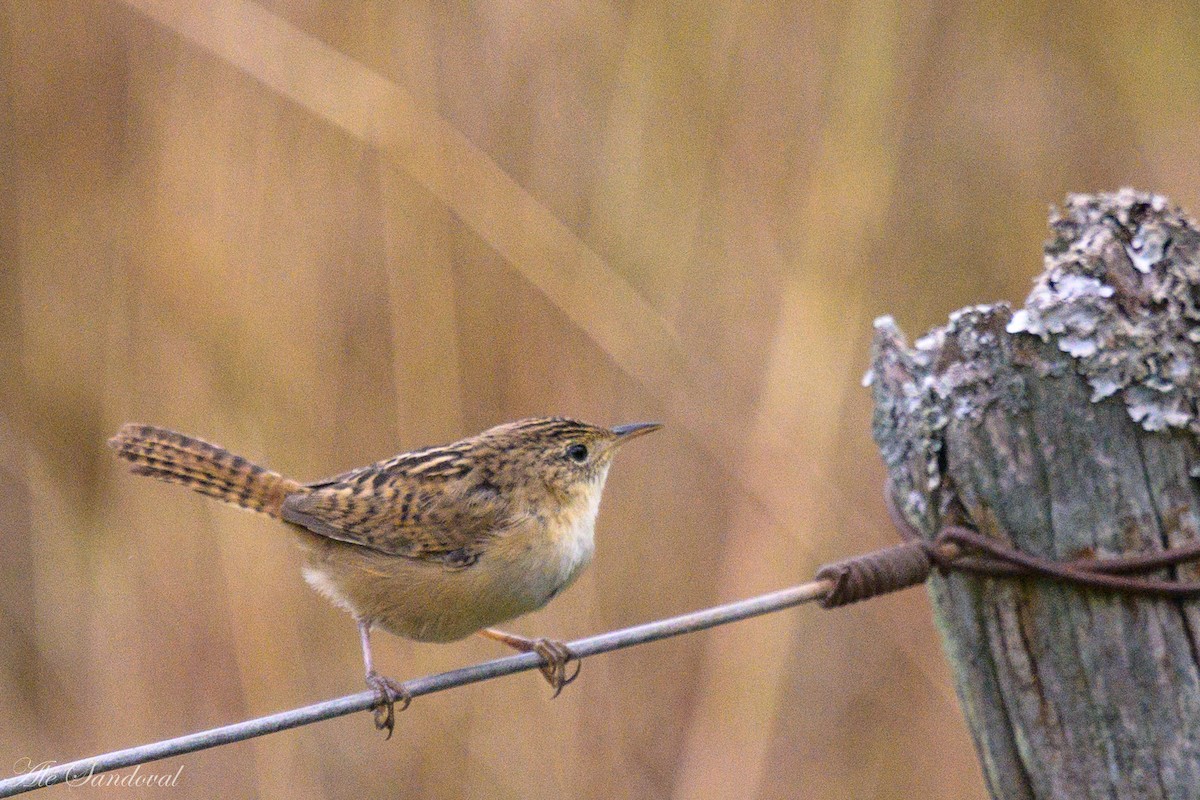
x: 364, y: 701
x: 858, y: 578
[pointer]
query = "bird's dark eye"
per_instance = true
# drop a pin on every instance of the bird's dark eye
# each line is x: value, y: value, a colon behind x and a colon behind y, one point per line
x: 577, y: 453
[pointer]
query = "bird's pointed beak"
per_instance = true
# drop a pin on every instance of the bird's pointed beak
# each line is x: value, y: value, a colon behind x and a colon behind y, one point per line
x: 633, y: 430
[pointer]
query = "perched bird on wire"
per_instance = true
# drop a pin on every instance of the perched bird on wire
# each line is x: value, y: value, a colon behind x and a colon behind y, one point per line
x: 432, y: 545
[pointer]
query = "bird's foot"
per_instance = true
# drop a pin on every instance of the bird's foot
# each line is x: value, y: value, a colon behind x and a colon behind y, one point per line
x: 557, y: 656
x: 389, y: 692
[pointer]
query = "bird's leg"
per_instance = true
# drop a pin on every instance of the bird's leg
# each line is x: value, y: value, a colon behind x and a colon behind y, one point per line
x: 556, y: 655
x: 389, y: 690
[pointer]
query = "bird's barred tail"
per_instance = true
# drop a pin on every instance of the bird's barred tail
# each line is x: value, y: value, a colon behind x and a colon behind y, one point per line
x: 208, y: 469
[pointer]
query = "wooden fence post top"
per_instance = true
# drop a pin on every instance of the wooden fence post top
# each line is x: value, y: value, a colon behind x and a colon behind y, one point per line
x: 1069, y: 429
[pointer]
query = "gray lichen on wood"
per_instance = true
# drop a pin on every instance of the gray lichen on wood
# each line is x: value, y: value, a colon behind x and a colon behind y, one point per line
x: 1068, y: 429
x: 1120, y: 294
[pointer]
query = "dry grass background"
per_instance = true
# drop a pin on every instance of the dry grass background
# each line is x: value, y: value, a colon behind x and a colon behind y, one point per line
x: 320, y: 233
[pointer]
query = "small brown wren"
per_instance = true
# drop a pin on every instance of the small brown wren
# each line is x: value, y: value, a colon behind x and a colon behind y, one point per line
x: 435, y: 544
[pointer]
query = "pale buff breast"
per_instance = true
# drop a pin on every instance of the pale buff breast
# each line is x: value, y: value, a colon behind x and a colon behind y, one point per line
x: 518, y: 573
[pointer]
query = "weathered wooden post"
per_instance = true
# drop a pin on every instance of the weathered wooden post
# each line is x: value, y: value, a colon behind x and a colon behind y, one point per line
x: 1068, y: 429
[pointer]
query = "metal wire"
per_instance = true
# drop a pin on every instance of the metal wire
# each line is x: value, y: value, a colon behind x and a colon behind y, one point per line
x: 364, y: 701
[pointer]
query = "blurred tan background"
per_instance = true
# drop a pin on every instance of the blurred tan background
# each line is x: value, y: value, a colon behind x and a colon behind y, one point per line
x: 321, y: 233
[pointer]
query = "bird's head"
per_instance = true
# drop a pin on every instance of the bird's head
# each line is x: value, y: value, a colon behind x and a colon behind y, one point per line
x: 568, y: 458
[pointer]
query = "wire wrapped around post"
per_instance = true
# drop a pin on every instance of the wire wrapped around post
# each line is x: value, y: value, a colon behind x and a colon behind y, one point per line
x: 879, y: 572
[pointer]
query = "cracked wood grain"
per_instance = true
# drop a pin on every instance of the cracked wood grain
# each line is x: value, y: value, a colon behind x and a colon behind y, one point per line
x: 1068, y: 428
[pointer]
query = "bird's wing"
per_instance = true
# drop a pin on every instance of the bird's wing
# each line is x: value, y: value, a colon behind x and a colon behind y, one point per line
x: 419, y: 505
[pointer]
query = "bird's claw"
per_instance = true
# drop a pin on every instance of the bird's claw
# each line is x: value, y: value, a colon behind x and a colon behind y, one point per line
x: 389, y: 692
x: 557, y: 656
